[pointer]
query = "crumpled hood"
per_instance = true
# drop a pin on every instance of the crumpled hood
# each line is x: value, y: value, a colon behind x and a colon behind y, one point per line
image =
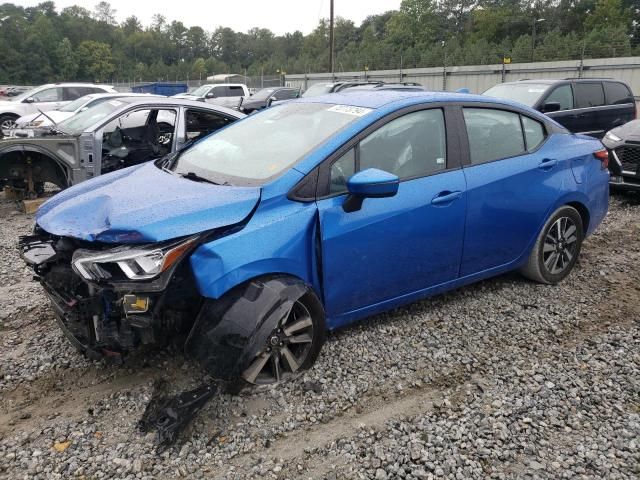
x: 144, y: 204
x: 55, y: 115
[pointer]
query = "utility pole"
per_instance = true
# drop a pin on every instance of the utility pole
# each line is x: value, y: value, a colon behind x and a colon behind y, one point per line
x: 331, y: 65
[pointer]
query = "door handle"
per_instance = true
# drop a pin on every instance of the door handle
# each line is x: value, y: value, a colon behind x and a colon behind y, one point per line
x: 547, y: 164
x: 445, y: 197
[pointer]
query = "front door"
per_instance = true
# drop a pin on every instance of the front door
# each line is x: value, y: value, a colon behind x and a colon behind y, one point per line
x: 399, y: 245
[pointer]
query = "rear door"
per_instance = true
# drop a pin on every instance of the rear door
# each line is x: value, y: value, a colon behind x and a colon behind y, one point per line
x: 513, y: 179
x: 591, y: 109
x: 621, y: 106
x: 399, y: 245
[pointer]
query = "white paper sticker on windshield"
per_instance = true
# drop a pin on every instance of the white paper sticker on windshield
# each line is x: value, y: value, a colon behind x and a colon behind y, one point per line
x: 536, y: 90
x: 350, y: 110
x: 115, y: 103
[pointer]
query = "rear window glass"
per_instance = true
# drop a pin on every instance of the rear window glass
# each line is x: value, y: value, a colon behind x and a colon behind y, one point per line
x: 617, y: 93
x: 588, y: 94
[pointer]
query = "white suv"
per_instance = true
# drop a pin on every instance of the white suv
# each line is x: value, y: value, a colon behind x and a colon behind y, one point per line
x: 44, y: 98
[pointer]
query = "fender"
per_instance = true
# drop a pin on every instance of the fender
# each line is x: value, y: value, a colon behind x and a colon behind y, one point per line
x: 283, y: 248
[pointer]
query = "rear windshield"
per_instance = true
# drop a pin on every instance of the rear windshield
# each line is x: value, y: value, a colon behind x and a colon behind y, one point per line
x: 527, y: 93
x: 317, y: 89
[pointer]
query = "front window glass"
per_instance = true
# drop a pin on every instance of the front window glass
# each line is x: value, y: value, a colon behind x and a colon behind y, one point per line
x: 527, y: 93
x: 562, y: 95
x: 264, y: 145
x: 48, y: 95
x: 341, y: 171
x: 411, y: 146
x: 83, y: 120
x: 317, y: 89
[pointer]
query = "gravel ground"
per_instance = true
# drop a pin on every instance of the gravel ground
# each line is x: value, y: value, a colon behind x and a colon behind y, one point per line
x: 502, y: 379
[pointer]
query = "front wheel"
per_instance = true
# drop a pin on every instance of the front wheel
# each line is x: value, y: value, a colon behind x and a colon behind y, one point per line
x: 557, y: 247
x: 292, y: 346
x: 7, y: 121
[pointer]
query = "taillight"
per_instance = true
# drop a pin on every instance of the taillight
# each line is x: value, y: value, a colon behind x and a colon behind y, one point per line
x: 603, y: 156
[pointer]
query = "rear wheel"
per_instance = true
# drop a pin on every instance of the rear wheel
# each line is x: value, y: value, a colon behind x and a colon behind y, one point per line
x: 557, y: 247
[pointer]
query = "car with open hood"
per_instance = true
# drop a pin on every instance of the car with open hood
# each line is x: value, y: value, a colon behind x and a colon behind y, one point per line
x: 114, y: 134
x: 53, y: 117
x: 246, y: 251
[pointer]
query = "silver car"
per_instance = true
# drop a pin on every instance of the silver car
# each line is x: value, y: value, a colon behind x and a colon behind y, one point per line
x: 114, y: 134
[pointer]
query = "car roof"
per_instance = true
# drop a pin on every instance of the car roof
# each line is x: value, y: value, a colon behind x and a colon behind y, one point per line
x: 379, y: 98
x: 177, y: 102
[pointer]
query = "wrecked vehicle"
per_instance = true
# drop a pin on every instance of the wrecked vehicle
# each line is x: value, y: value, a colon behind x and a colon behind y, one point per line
x: 111, y: 135
x: 624, y: 145
x: 247, y: 252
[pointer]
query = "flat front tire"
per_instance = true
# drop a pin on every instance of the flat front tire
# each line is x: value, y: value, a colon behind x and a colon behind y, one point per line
x: 557, y: 247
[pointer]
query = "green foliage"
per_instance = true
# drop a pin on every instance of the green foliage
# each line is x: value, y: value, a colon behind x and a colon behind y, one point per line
x: 40, y: 44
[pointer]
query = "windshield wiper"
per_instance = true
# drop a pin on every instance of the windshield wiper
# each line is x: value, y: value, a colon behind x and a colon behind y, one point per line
x: 197, y: 178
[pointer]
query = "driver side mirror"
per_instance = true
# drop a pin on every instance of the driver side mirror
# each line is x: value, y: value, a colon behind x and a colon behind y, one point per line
x: 210, y: 95
x: 550, y: 107
x: 29, y: 100
x: 270, y: 101
x: 369, y: 183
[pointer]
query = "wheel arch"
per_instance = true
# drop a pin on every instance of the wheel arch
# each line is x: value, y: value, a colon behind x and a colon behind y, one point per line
x: 585, y: 215
x: 43, y: 153
x: 229, y: 331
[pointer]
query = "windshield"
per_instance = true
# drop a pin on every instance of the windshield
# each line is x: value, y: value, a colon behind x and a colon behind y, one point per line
x: 200, y: 91
x: 76, y: 104
x: 83, y: 120
x: 263, y: 94
x: 527, y: 93
x: 264, y: 145
x: 317, y: 89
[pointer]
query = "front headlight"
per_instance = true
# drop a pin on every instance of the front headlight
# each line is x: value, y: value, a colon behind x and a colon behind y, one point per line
x: 613, y: 137
x: 137, y: 263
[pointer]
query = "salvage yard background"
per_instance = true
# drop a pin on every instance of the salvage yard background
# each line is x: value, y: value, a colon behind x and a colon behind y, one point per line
x: 500, y: 379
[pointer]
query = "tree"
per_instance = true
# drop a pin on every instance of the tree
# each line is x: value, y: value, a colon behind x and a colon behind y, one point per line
x: 104, y: 13
x: 66, y: 61
x: 95, y: 61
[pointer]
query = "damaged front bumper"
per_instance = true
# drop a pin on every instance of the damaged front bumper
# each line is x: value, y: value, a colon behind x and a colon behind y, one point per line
x: 106, y: 320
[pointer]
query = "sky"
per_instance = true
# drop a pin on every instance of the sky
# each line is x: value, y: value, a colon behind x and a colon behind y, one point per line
x: 280, y: 16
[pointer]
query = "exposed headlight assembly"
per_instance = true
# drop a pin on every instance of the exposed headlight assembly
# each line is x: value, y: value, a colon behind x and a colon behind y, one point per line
x: 136, y: 263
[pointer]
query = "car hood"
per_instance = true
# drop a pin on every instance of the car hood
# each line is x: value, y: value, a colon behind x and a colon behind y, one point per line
x: 144, y: 204
x: 628, y: 131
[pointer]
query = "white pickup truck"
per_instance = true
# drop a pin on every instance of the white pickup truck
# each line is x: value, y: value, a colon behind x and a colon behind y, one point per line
x: 224, y: 94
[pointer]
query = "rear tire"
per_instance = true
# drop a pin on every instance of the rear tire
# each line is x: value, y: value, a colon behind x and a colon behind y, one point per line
x: 557, y: 247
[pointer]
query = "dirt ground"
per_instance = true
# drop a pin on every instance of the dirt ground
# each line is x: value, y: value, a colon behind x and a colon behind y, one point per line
x: 504, y: 351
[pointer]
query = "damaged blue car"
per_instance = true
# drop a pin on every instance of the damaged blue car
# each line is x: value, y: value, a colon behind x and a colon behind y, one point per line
x: 250, y: 244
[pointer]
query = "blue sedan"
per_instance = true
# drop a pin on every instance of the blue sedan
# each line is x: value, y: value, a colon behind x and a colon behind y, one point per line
x: 252, y: 243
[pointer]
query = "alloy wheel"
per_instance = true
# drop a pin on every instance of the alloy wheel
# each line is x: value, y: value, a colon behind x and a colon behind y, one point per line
x: 560, y: 245
x: 286, y: 348
x: 7, y: 124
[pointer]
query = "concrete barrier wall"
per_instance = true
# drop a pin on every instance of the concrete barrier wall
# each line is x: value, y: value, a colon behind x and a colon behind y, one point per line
x: 478, y: 78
